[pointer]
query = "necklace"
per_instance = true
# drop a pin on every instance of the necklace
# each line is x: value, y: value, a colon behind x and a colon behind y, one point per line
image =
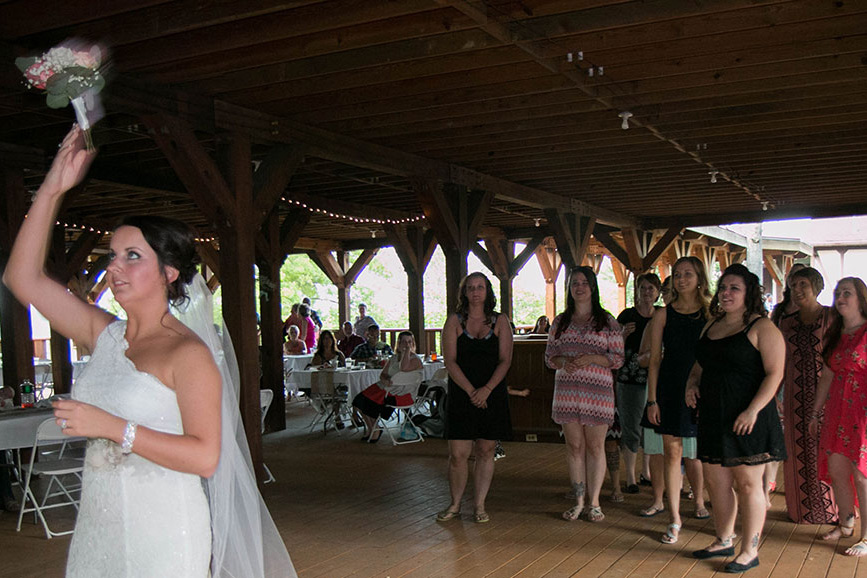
x: 853, y: 328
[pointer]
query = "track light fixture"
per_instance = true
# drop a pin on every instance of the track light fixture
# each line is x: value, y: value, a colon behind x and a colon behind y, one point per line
x: 713, y: 175
x: 625, y: 115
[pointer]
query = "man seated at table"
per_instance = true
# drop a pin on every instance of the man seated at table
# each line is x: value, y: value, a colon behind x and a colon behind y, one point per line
x: 373, y: 347
x: 348, y: 340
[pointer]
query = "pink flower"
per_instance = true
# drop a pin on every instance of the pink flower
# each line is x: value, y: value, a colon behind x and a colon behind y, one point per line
x: 38, y: 74
x: 87, y: 59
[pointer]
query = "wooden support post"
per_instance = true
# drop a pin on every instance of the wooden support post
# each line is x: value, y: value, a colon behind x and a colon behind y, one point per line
x: 549, y: 262
x: 17, y: 345
x: 621, y: 275
x: 414, y: 247
x: 271, y: 322
x: 571, y: 233
x: 342, y: 274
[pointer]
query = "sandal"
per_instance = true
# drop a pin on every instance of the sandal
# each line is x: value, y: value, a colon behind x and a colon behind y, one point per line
x: 840, y: 532
x: 481, y: 517
x: 594, y: 514
x: 671, y: 534
x: 651, y: 511
x: 701, y: 514
x: 857, y: 549
x: 573, y: 513
x: 447, y: 515
x: 617, y: 497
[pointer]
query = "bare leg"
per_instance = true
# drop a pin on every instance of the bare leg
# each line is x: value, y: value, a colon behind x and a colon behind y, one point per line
x: 657, y: 481
x: 751, y: 497
x: 696, y: 481
x: 840, y: 470
x: 673, y: 448
x: 629, y: 459
x: 575, y: 460
x: 594, y: 436
x: 769, y: 478
x: 860, y: 548
x: 459, y: 453
x: 719, y: 481
x: 646, y: 467
x: 483, y: 472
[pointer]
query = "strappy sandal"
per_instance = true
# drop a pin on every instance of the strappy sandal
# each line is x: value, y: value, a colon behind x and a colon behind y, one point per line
x: 481, y: 517
x: 617, y: 497
x: 651, y: 511
x: 701, y: 514
x: 857, y: 549
x: 573, y: 513
x: 671, y: 534
x: 594, y: 514
x: 446, y: 515
x: 840, y: 532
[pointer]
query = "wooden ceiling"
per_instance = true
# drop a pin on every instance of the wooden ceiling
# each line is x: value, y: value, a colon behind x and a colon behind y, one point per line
x: 517, y: 96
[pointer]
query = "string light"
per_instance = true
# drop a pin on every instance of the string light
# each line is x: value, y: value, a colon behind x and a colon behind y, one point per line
x: 353, y: 218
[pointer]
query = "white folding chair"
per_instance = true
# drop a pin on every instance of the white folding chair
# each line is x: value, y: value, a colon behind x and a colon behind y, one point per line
x: 266, y: 396
x: 329, y: 400
x: 49, y: 434
x: 412, y: 380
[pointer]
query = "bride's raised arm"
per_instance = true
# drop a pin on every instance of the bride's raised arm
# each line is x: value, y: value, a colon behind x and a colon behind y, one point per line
x: 25, y: 272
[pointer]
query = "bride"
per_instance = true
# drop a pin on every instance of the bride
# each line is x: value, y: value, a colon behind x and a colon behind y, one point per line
x: 168, y: 487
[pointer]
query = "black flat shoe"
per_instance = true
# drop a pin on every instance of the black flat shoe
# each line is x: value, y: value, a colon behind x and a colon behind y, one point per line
x: 704, y: 553
x: 371, y: 440
x: 644, y: 481
x: 632, y: 489
x: 735, y: 568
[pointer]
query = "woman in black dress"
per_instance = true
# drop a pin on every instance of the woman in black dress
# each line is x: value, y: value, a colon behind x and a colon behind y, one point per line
x: 739, y: 365
x: 477, y: 351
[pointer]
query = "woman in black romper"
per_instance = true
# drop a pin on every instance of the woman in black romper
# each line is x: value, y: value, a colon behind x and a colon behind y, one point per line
x: 477, y: 350
x: 739, y: 365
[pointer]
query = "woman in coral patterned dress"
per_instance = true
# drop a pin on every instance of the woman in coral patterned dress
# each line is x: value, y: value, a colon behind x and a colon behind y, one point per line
x: 808, y: 499
x: 584, y: 345
x: 843, y: 458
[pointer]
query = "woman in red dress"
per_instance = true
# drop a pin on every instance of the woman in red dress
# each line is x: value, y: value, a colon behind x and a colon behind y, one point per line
x: 843, y: 459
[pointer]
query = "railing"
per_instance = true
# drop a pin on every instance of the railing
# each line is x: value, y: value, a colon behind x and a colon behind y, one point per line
x: 432, y: 341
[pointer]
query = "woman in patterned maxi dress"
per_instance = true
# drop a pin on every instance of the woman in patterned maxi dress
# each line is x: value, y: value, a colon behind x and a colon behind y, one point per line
x: 809, y: 500
x: 843, y: 454
x: 584, y: 346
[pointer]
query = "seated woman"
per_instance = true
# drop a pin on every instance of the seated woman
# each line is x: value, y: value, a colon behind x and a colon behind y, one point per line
x: 373, y: 402
x: 327, y: 352
x: 542, y: 325
x: 294, y: 345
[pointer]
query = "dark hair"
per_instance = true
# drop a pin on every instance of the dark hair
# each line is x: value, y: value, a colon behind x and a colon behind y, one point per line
x: 598, y: 313
x: 174, y: 243
x: 813, y: 276
x: 320, y: 349
x: 704, y: 295
x: 403, y: 334
x: 537, y: 329
x: 304, y: 310
x: 780, y: 308
x: 753, y: 297
x: 651, y: 278
x: 836, y: 328
x: 372, y: 326
x: 490, y: 299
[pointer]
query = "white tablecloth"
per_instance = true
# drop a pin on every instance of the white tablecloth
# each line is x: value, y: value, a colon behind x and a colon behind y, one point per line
x: 296, y: 362
x: 355, y: 379
x: 18, y: 427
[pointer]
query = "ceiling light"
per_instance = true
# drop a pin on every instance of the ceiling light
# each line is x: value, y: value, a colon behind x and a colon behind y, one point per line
x: 625, y: 115
x: 713, y: 175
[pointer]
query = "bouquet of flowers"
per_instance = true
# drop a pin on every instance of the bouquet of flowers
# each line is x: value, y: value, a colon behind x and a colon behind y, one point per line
x: 69, y: 74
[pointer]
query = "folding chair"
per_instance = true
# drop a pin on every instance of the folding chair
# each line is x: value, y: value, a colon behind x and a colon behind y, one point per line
x: 407, y: 380
x: 266, y: 396
x: 329, y: 400
x: 49, y: 434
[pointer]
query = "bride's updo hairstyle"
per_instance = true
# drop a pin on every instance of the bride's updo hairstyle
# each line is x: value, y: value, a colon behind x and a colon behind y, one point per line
x: 175, y: 245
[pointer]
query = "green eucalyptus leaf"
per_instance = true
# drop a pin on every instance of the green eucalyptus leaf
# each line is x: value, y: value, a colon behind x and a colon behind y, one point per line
x: 56, y: 100
x: 98, y: 83
x: 25, y: 62
x: 57, y: 83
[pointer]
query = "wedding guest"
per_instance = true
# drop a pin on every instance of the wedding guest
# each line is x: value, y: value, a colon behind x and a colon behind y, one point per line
x: 739, y: 365
x: 308, y: 334
x: 168, y: 486
x: 786, y: 307
x: 842, y: 457
x: 327, y: 352
x: 809, y: 500
x: 293, y: 344
x: 676, y: 329
x: 374, y: 401
x: 632, y: 378
x: 542, y: 325
x: 294, y: 319
x: 7, y: 498
x: 584, y: 346
x: 373, y: 347
x: 363, y: 321
x: 314, y: 315
x: 348, y: 340
x: 477, y: 351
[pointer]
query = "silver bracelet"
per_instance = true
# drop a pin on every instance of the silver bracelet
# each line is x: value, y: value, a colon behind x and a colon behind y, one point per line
x: 128, y: 437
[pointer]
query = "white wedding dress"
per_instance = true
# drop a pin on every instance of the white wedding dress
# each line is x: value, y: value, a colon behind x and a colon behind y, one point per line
x: 136, y: 518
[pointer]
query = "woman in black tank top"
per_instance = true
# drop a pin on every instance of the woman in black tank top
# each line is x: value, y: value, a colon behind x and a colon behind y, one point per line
x: 738, y: 369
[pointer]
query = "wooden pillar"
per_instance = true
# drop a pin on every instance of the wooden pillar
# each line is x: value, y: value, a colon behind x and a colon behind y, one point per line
x: 754, y: 250
x: 571, y: 233
x: 549, y: 262
x: 269, y: 260
x: 342, y: 274
x: 344, y: 297
x: 15, y: 330
x: 414, y: 247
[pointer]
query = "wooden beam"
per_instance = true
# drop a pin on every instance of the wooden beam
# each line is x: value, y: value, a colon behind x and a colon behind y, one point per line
x: 616, y: 251
x: 774, y: 270
x: 358, y: 266
x: 633, y: 250
x: 438, y: 211
x: 483, y: 256
x: 273, y: 175
x: 77, y: 255
x: 572, y: 234
x: 292, y: 227
x: 660, y: 247
x: 528, y: 251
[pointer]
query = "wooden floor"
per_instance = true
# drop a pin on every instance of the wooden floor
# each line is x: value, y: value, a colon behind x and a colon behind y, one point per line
x: 351, y: 509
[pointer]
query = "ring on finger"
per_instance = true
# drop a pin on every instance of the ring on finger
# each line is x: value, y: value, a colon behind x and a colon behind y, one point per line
x: 63, y: 424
